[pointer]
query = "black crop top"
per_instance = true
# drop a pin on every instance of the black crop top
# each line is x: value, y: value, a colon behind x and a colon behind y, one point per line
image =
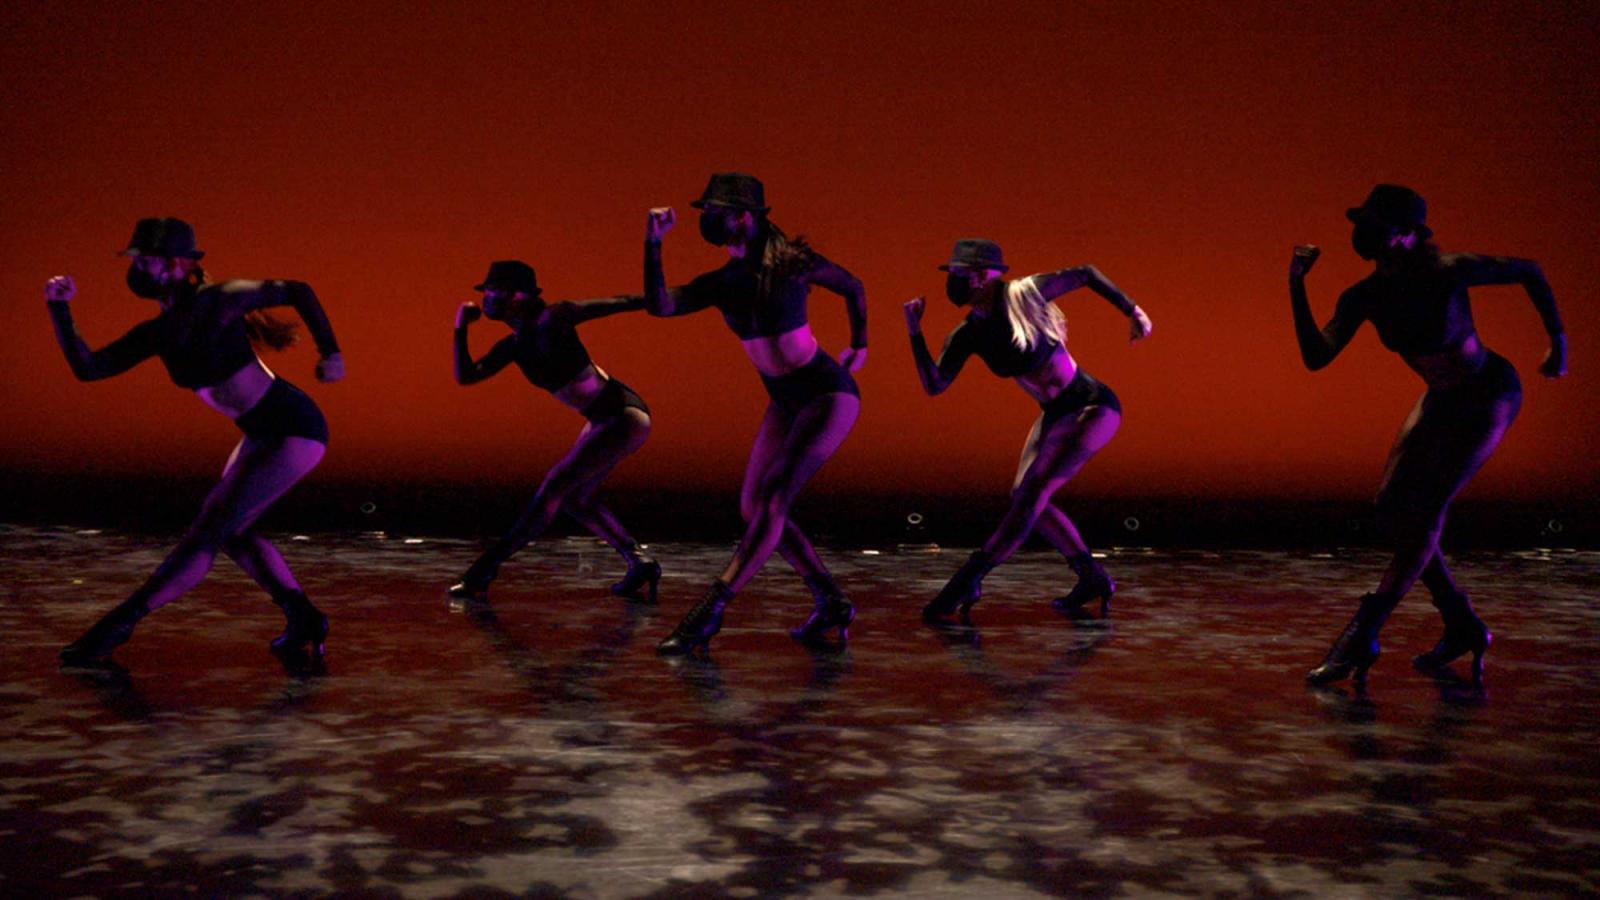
x: 547, y: 350
x: 989, y: 337
x: 735, y: 290
x: 1415, y: 313
x: 200, y: 338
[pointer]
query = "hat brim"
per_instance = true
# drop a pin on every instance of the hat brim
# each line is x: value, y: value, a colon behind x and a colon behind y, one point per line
x: 953, y: 264
x: 718, y: 204
x: 516, y: 289
x: 1357, y: 213
x: 135, y: 251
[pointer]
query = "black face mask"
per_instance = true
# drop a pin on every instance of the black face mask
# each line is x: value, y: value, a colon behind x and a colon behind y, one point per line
x: 1367, y: 239
x: 716, y: 228
x: 145, y: 285
x: 958, y: 289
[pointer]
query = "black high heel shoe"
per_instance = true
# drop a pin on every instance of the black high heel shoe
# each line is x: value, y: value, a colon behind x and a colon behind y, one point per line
x: 92, y: 650
x: 1464, y: 633
x: 468, y: 591
x: 830, y: 612
x: 1356, y: 648
x: 642, y: 572
x: 305, y: 624
x: 961, y: 592
x: 1093, y: 584
x: 700, y: 625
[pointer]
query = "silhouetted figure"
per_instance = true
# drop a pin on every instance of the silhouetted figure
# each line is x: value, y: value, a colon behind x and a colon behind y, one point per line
x: 761, y: 293
x: 205, y: 335
x: 544, y: 344
x: 1015, y: 327
x: 1416, y: 298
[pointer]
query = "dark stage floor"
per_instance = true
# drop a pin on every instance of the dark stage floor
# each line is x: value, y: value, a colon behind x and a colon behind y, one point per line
x: 544, y: 749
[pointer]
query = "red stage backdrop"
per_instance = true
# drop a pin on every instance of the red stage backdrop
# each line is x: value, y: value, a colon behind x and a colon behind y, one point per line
x: 385, y: 154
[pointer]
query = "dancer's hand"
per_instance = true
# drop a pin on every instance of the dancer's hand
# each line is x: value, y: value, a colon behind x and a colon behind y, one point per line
x: 467, y: 313
x: 1555, y: 362
x: 914, y: 309
x: 661, y: 220
x: 60, y: 289
x: 1139, y: 326
x: 330, y: 368
x: 1305, y: 256
x: 853, y: 358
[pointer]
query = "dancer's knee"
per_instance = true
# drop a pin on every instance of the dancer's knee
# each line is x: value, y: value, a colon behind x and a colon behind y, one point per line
x: 1404, y: 514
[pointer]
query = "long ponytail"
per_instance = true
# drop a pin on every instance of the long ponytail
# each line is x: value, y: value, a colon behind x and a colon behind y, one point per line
x: 264, y: 329
x: 782, y: 256
x: 1033, y: 318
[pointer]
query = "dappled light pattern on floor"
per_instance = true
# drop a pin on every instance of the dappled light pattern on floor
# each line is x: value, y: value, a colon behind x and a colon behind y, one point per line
x: 537, y: 745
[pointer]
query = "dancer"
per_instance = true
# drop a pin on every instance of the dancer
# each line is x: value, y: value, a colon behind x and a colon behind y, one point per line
x: 204, y: 335
x: 544, y: 344
x: 1416, y: 298
x: 1016, y: 329
x: 761, y: 293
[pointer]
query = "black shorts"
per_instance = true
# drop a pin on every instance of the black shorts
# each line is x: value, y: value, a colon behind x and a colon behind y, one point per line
x: 284, y: 411
x: 612, y: 400
x: 1496, y: 381
x: 819, y: 376
x: 1081, y: 392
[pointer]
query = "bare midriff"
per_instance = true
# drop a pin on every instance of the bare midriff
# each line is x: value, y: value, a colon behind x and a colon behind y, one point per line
x: 1451, y: 366
x: 584, y: 387
x: 240, y: 392
x: 778, y: 355
x: 1050, y: 379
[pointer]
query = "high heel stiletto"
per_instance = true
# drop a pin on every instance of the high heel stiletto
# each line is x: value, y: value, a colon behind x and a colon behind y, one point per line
x: 1093, y: 584
x: 92, y: 649
x: 700, y: 625
x: 468, y: 591
x: 830, y: 612
x: 642, y: 572
x: 1356, y: 648
x: 304, y: 624
x: 1464, y: 633
x: 961, y: 592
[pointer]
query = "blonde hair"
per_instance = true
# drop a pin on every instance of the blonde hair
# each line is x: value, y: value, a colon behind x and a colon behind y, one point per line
x: 1033, y: 318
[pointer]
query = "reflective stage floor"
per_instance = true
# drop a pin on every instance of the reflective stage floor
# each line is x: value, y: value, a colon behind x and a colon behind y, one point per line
x: 539, y: 747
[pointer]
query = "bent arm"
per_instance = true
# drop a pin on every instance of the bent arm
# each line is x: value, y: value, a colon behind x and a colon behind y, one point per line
x: 657, y: 299
x: 1319, y: 346
x: 252, y: 295
x: 1054, y: 284
x: 1487, y: 270
x: 469, y: 371
x: 115, y: 358
x: 834, y: 278
x: 937, y: 376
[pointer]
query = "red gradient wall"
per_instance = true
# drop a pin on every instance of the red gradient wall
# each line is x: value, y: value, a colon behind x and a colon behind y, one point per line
x: 385, y: 154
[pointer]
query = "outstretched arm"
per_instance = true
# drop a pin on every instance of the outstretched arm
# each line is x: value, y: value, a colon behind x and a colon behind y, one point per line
x: 1054, y: 284
x: 499, y: 356
x: 1484, y: 270
x: 1318, y: 346
x: 935, y: 376
x: 115, y: 358
x: 579, y: 311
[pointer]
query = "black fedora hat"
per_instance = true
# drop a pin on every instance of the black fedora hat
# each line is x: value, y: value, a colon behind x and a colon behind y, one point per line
x: 733, y: 190
x: 976, y: 253
x: 1394, y: 205
x: 512, y: 275
x: 162, y: 237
